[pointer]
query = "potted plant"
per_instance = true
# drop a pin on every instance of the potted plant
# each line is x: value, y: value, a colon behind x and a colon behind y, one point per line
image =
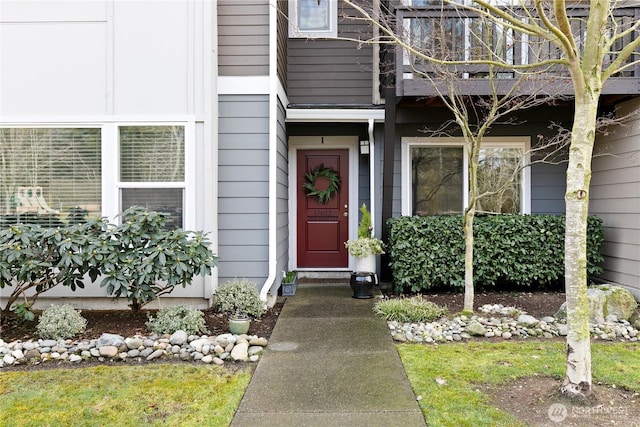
x: 289, y: 283
x: 240, y: 300
x: 366, y: 247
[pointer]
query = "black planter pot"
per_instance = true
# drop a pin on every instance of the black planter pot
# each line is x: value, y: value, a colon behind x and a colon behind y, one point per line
x: 362, y: 284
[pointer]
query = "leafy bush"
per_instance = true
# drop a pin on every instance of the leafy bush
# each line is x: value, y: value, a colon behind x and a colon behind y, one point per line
x: 37, y: 259
x: 141, y: 260
x: 239, y: 298
x: 171, y: 319
x: 519, y: 250
x: 59, y: 322
x: 407, y: 310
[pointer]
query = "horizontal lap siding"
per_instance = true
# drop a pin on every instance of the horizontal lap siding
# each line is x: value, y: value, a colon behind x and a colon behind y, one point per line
x: 243, y: 186
x: 615, y: 197
x: 331, y: 71
x: 282, y: 194
x: 243, y: 38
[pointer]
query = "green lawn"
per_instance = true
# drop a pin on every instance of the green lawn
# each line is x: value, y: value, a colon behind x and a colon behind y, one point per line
x: 146, y: 395
x: 460, y: 402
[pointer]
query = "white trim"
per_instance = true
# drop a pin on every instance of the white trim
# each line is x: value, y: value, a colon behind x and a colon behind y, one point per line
x: 273, y: 160
x: 318, y: 143
x: 209, y: 205
x: 334, y: 115
x: 244, y: 85
x: 92, y: 120
x: 296, y: 32
x: 509, y: 141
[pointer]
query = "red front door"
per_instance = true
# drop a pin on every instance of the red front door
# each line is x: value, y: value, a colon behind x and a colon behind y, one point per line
x: 323, y: 222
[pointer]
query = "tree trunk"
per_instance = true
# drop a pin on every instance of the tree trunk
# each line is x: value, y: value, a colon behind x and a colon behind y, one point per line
x: 577, y: 382
x: 467, y: 225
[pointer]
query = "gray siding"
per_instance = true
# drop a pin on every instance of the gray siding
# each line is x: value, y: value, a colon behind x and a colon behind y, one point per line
x: 283, y: 37
x: 243, y: 38
x: 615, y: 197
x: 282, y: 194
x: 243, y: 185
x: 331, y: 71
x: 548, y: 184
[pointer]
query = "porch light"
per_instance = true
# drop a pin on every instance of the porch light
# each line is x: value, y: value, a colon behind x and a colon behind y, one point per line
x: 364, y: 147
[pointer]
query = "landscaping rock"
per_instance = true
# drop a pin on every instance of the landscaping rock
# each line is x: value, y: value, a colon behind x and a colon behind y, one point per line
x: 133, y: 343
x: 110, y: 340
x: 475, y: 328
x: 178, y: 338
x: 108, y: 350
x: 605, y: 300
x: 240, y: 352
x: 526, y: 320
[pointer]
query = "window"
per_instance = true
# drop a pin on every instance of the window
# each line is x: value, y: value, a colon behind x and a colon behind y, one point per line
x: 49, y: 175
x: 435, y: 180
x: 313, y: 18
x: 152, y: 169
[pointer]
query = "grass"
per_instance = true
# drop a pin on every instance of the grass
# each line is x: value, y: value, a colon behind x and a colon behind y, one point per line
x: 412, y: 309
x: 148, y: 395
x: 464, y: 367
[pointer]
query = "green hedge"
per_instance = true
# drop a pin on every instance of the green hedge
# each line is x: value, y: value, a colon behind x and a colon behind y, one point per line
x: 509, y: 250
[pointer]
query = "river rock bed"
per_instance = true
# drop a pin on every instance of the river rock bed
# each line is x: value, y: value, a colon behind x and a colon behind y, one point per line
x: 110, y: 347
x: 497, y: 321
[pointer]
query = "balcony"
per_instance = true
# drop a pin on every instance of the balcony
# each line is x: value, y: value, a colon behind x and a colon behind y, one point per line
x: 459, y: 35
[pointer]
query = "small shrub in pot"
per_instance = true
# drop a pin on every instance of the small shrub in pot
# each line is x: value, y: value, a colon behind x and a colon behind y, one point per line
x: 239, y: 298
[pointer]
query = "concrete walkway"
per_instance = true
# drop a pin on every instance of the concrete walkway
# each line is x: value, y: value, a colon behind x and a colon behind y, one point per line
x: 329, y: 362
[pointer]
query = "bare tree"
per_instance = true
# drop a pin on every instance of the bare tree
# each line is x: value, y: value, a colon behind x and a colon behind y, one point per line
x: 589, y: 48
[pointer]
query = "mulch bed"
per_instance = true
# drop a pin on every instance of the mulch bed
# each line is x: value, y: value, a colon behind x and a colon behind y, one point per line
x: 127, y: 323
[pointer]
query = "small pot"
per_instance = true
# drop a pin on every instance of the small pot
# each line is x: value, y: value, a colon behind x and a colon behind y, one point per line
x: 239, y: 325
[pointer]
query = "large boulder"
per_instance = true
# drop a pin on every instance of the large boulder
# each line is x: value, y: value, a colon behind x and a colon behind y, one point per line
x: 606, y: 300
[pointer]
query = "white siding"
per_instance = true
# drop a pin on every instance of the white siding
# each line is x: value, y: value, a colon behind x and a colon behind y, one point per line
x: 77, y: 63
x: 615, y: 197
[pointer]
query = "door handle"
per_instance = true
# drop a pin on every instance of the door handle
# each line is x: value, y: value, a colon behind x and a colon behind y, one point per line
x: 345, y: 214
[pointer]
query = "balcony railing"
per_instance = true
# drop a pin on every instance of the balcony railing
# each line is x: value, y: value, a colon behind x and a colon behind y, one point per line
x: 460, y: 35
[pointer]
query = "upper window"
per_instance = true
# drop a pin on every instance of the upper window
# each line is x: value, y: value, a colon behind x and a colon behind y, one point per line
x: 313, y: 18
x: 152, y: 169
x: 435, y: 180
x: 50, y: 176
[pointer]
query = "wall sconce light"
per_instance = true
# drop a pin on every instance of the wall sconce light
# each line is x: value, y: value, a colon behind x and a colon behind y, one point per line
x: 364, y: 147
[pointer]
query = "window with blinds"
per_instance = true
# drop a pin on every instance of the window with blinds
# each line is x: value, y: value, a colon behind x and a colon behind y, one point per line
x: 152, y: 174
x: 49, y: 174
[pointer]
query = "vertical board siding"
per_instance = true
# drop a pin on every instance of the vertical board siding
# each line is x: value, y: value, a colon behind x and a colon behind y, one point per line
x: 615, y: 197
x: 283, y: 37
x: 282, y: 194
x: 243, y: 186
x: 325, y: 71
x: 243, y: 37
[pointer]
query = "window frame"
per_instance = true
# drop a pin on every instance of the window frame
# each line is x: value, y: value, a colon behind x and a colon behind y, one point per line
x: 115, y: 185
x: 66, y: 125
x: 294, y: 29
x: 522, y: 142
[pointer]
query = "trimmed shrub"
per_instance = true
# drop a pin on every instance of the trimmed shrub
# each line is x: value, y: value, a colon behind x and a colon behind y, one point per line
x: 514, y: 250
x: 171, y: 319
x: 239, y: 298
x: 59, y: 322
x: 408, y: 310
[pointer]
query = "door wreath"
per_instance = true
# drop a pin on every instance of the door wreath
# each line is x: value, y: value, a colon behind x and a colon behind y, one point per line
x: 328, y: 174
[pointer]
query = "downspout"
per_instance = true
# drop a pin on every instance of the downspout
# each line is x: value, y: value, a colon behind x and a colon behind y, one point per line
x: 372, y: 174
x: 273, y: 155
x: 210, y: 149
